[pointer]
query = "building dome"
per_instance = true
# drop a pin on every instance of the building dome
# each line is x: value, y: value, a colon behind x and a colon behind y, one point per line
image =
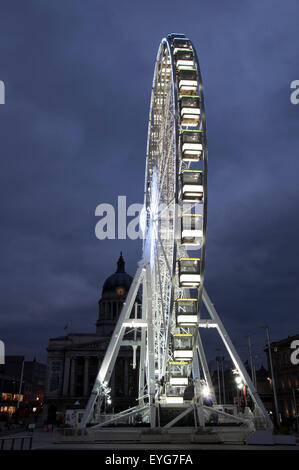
x: 115, y: 291
x: 118, y: 283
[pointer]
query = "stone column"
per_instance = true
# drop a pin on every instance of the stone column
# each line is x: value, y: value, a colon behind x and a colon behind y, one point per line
x: 126, y: 378
x: 112, y: 382
x: 73, y: 376
x: 66, y: 376
x: 85, y: 386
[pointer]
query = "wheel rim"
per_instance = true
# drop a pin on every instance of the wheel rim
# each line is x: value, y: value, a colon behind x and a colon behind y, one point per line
x: 164, y: 206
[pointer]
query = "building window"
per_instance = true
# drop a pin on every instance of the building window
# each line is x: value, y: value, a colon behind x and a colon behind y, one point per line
x: 55, y: 373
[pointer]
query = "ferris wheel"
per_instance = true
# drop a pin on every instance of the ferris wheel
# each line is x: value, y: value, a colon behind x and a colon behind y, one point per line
x: 172, y: 366
x: 175, y: 204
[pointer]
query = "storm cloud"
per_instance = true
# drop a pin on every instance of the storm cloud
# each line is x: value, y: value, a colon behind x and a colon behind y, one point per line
x: 73, y: 135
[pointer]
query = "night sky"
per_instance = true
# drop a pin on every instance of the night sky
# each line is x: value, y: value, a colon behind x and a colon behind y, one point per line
x: 73, y: 135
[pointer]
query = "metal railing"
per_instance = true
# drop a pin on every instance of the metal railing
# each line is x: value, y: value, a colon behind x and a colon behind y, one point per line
x: 16, y: 443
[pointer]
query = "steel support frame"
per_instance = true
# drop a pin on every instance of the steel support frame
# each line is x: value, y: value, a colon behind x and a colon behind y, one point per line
x: 147, y: 360
x: 155, y: 337
x: 179, y: 417
x: 150, y: 348
x: 108, y: 362
x: 124, y: 414
x: 205, y: 367
x: 235, y: 357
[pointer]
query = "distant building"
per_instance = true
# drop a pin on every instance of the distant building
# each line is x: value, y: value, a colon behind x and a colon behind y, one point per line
x: 225, y: 387
x: 9, y: 388
x: 286, y: 377
x: 263, y: 387
x: 33, y: 384
x: 74, y: 359
x: 35, y: 380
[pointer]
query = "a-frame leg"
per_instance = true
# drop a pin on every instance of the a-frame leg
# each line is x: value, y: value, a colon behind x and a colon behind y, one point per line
x: 150, y: 347
x: 108, y: 363
x: 235, y: 357
x: 205, y: 367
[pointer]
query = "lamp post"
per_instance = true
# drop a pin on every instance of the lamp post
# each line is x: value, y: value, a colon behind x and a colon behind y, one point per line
x: 251, y: 362
x: 223, y: 381
x: 218, y: 377
x: 295, y: 405
x: 21, y: 382
x: 254, y: 370
x: 272, y: 375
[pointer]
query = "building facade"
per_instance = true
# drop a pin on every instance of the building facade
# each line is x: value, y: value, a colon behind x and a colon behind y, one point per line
x: 74, y: 359
x: 226, y: 390
x: 286, y: 375
x: 30, y: 395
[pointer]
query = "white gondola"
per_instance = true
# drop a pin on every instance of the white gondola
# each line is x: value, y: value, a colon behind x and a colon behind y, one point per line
x: 192, y: 186
x: 191, y: 145
x: 186, y: 354
x: 187, y: 80
x: 191, y: 229
x: 191, y: 151
x: 187, y: 86
x: 192, y: 192
x: 186, y: 320
x: 174, y: 400
x: 190, y: 110
x: 190, y: 116
x: 184, y: 64
x: 190, y: 280
x: 181, y: 43
x: 186, y: 312
x: 183, y: 346
x: 178, y: 381
x: 189, y: 272
x: 178, y: 373
x: 183, y: 53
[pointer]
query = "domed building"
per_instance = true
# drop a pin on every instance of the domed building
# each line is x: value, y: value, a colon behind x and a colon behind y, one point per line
x: 74, y: 359
x: 114, y: 293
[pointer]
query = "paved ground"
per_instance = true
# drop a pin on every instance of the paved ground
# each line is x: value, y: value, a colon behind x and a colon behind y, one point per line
x: 52, y: 441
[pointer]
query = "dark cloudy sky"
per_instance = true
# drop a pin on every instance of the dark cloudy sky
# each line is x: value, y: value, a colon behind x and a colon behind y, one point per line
x: 73, y: 135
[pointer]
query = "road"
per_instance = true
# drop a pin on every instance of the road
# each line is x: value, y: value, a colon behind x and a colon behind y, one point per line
x: 52, y: 441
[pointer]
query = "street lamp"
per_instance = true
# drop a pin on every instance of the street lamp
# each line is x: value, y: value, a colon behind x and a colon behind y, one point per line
x: 252, y: 367
x: 223, y: 381
x: 295, y: 404
x: 21, y: 383
x: 218, y: 377
x: 272, y: 375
